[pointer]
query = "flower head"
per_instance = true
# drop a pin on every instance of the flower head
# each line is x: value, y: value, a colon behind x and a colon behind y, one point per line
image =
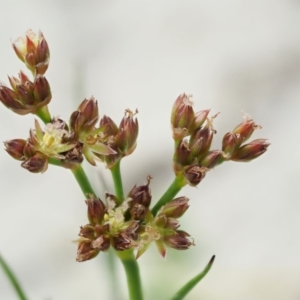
x: 33, y: 50
x: 26, y: 96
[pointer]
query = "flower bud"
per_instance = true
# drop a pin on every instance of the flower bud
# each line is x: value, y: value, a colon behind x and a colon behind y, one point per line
x: 212, y: 159
x: 251, y: 150
x: 87, y: 231
x: 111, y: 129
x: 121, y: 242
x: 246, y: 128
x: 172, y: 224
x: 15, y: 148
x: 200, y: 118
x: 182, y: 155
x: 85, y: 250
x: 194, y: 174
x: 33, y: 50
x: 205, y: 135
x: 96, y: 210
x: 130, y: 127
x: 180, y: 240
x: 86, y: 116
x: 230, y: 143
x: 182, y: 116
x: 141, y: 194
x: 36, y: 164
x: 175, y: 208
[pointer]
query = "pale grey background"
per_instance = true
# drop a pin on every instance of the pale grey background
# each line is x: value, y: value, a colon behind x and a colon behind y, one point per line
x: 232, y: 56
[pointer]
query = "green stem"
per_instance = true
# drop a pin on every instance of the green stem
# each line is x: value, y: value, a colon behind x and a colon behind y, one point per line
x: 82, y: 180
x: 177, y: 184
x: 132, y: 273
x: 116, y: 175
x: 12, y: 278
x: 193, y: 282
x: 44, y: 115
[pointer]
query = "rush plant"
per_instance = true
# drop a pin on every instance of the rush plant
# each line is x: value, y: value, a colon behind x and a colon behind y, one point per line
x: 126, y: 221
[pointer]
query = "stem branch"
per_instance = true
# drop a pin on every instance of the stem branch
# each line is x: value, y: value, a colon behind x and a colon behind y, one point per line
x: 116, y: 175
x: 177, y: 184
x: 82, y: 180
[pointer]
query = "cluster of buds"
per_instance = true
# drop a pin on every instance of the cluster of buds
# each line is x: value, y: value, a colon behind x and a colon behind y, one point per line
x: 69, y: 144
x: 193, y: 134
x: 131, y: 225
x: 108, y: 142
x: 122, y: 138
x: 55, y: 142
x: 29, y: 96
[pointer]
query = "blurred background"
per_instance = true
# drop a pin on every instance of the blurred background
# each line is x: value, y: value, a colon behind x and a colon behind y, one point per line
x: 232, y: 56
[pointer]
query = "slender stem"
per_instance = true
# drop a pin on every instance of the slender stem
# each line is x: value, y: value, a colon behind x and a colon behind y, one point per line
x: 44, y: 115
x: 132, y: 273
x: 82, y: 180
x: 12, y: 278
x: 116, y: 175
x: 177, y: 184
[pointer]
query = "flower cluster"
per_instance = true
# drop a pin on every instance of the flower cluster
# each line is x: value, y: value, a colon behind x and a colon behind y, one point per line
x: 59, y: 143
x: 193, y: 134
x: 131, y: 225
x: 29, y: 96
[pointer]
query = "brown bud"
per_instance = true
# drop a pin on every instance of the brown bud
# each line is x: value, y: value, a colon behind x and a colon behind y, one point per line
x: 251, y: 150
x: 175, y: 208
x: 121, y: 242
x: 86, y: 251
x: 87, y: 231
x: 180, y: 240
x: 212, y: 159
x: 86, y: 116
x: 15, y: 148
x: 200, y: 118
x: 111, y: 129
x: 130, y: 127
x: 96, y: 210
x: 182, y: 154
x: 172, y: 224
x: 141, y: 194
x: 36, y: 164
x: 194, y: 174
x: 41, y: 91
x: 182, y: 115
x: 246, y: 128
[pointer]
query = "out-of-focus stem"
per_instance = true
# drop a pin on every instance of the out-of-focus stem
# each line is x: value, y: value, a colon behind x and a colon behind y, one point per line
x: 12, y: 278
x: 177, y: 184
x: 132, y: 273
